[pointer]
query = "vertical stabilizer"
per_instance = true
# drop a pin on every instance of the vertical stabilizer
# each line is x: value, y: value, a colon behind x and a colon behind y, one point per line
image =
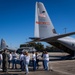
x: 43, y: 25
x: 3, y: 44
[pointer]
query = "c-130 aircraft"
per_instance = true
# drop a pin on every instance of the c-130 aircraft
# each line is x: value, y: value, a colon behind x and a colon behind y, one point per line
x: 45, y: 31
x: 3, y: 46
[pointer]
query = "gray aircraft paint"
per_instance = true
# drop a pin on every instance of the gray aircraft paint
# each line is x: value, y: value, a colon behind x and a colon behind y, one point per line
x: 45, y: 30
x: 3, y: 44
x: 43, y: 25
x: 68, y: 42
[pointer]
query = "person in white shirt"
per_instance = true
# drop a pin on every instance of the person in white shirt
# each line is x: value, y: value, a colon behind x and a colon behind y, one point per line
x: 9, y: 58
x: 1, y: 60
x: 26, y: 60
x: 46, y: 60
x: 34, y: 60
x: 21, y: 61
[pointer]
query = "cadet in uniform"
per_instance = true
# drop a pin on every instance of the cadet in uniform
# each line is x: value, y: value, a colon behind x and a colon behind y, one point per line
x: 5, y: 61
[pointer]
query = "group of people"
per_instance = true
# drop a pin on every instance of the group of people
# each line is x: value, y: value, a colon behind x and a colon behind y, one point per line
x: 7, y: 57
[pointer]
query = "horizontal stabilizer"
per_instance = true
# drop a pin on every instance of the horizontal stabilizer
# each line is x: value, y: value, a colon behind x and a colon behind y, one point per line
x: 57, y: 37
x: 34, y: 38
x: 53, y: 38
x: 33, y: 41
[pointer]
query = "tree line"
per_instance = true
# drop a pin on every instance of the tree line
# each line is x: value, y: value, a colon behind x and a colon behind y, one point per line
x: 40, y: 47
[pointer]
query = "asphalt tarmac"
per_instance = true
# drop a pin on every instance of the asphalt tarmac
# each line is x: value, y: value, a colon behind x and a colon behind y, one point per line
x: 56, y: 67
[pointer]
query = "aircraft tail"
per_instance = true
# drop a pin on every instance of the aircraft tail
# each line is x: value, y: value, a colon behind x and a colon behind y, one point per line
x: 3, y: 44
x: 43, y: 25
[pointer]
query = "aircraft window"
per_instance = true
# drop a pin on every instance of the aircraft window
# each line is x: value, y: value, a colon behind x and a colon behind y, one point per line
x: 43, y: 11
x: 53, y: 30
x: 72, y: 44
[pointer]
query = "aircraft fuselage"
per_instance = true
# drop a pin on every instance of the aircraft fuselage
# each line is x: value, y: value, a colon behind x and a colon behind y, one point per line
x: 66, y: 44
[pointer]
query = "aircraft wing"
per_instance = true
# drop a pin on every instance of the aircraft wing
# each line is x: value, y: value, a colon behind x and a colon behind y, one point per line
x: 57, y: 37
x: 53, y: 38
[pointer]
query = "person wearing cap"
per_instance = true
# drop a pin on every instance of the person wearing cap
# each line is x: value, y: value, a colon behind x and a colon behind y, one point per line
x: 5, y: 61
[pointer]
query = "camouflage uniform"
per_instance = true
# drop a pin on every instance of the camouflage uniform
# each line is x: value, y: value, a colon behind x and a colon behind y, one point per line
x: 5, y: 62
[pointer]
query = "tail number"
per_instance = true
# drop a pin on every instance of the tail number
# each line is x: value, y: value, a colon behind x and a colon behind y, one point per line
x: 46, y: 23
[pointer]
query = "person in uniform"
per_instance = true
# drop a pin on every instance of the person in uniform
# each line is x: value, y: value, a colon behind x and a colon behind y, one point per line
x: 5, y: 61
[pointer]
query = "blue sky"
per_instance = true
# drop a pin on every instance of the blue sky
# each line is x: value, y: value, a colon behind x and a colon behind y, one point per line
x: 17, y: 18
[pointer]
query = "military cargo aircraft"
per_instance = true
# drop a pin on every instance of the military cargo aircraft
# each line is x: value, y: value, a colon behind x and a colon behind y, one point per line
x: 45, y: 31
